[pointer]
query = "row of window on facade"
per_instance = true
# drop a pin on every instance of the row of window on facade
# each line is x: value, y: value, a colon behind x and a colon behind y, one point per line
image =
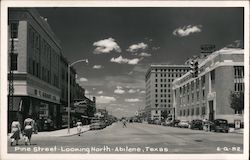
x: 193, y: 111
x: 163, y: 90
x: 169, y: 75
x: 164, y: 80
x: 162, y: 85
x: 187, y: 97
x: 162, y: 105
x: 190, y: 86
x: 157, y: 111
x: 170, y: 70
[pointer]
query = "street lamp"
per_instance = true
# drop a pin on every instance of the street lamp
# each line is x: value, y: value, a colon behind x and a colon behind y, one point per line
x: 81, y: 60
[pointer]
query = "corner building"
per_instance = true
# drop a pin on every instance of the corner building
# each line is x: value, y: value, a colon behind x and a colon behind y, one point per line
x: 208, y: 94
x: 159, y: 78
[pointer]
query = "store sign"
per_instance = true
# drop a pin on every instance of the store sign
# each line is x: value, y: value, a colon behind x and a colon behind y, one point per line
x: 45, y: 95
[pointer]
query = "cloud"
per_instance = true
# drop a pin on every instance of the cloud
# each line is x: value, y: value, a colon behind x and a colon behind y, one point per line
x: 136, y: 47
x: 187, y: 30
x: 143, y: 54
x: 132, y: 100
x: 105, y: 99
x: 155, y: 48
x: 100, y: 92
x: 131, y: 91
x: 119, y: 90
x: 142, y: 92
x: 106, y: 46
x: 97, y: 66
x: 83, y: 79
x: 122, y: 60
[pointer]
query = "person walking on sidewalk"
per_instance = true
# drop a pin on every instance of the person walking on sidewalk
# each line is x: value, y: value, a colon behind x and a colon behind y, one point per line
x: 28, y: 129
x: 15, y: 131
x: 79, y: 127
x: 124, y: 122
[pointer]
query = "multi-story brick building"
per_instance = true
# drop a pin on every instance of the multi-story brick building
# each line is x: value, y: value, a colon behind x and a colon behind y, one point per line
x: 208, y: 94
x: 159, y: 78
x: 39, y: 69
x: 37, y: 63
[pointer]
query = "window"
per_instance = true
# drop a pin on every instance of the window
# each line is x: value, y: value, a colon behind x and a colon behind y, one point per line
x: 203, y: 94
x: 155, y: 85
x: 192, y: 112
x: 14, y: 30
x: 197, y: 111
x: 187, y: 112
x: 212, y: 75
x: 197, y: 83
x: 203, y: 81
x: 156, y: 111
x: 203, y: 110
x: 14, y: 62
x: 238, y: 87
x: 238, y: 72
x: 180, y: 112
x: 156, y: 90
x: 198, y: 96
x: 33, y: 67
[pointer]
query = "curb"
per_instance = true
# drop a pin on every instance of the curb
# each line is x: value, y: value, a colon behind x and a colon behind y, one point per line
x: 72, y: 134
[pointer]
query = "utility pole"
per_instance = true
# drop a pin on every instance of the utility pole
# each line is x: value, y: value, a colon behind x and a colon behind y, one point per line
x: 11, y: 77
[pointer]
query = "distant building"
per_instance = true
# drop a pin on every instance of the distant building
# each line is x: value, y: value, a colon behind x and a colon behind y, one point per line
x: 159, y: 78
x: 207, y: 95
x: 83, y: 108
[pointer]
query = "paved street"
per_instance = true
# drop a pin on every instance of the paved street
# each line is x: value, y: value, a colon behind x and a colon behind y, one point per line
x: 136, y: 138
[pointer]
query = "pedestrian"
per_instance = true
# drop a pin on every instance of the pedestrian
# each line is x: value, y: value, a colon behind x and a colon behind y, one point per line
x: 124, y: 122
x: 35, y: 129
x: 28, y: 129
x: 205, y: 124
x: 79, y: 127
x: 15, y: 131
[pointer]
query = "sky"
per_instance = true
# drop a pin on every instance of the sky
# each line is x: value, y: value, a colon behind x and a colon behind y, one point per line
x: 121, y: 43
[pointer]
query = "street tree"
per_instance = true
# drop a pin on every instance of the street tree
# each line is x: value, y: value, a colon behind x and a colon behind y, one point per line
x: 237, y: 101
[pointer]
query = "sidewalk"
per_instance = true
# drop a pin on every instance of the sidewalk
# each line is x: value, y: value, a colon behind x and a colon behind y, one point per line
x: 232, y: 130
x: 61, y: 132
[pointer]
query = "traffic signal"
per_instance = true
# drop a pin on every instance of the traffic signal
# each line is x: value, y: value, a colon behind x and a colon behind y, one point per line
x: 194, y: 68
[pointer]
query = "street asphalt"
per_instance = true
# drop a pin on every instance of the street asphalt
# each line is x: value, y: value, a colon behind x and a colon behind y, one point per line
x: 137, y: 138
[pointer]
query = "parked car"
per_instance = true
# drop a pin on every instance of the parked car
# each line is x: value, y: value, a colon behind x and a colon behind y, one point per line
x: 183, y: 124
x: 175, y: 123
x: 196, y: 124
x: 97, y: 123
x: 157, y: 122
x: 220, y: 125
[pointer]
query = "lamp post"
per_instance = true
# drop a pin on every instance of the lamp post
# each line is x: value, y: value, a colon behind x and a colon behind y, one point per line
x: 81, y: 60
